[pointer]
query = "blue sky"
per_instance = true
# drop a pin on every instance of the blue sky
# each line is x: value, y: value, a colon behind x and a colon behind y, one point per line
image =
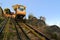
x: 47, y: 8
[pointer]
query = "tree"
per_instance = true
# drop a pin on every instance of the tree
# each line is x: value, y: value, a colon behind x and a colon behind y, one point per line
x: 1, y: 11
x: 41, y: 21
x: 42, y: 18
x: 30, y: 16
x: 32, y: 19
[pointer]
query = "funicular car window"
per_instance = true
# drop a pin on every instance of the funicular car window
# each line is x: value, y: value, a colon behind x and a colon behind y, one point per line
x: 21, y: 8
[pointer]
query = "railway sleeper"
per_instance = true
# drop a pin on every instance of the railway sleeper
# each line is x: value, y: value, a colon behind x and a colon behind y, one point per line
x: 38, y: 32
x: 3, y: 26
x: 27, y: 38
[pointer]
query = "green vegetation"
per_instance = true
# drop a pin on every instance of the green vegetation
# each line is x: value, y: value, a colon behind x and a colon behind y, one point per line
x: 1, y: 11
x: 52, y: 32
x: 1, y: 19
x: 1, y: 15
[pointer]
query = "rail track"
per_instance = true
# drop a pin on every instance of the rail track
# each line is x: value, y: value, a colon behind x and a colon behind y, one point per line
x: 20, y: 32
x: 18, y: 35
x: 37, y: 31
x: 30, y: 31
x: 6, y: 30
x: 2, y: 26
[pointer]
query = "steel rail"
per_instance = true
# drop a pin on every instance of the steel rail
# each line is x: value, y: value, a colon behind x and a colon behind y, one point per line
x: 23, y: 31
x: 37, y: 32
x: 18, y: 34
